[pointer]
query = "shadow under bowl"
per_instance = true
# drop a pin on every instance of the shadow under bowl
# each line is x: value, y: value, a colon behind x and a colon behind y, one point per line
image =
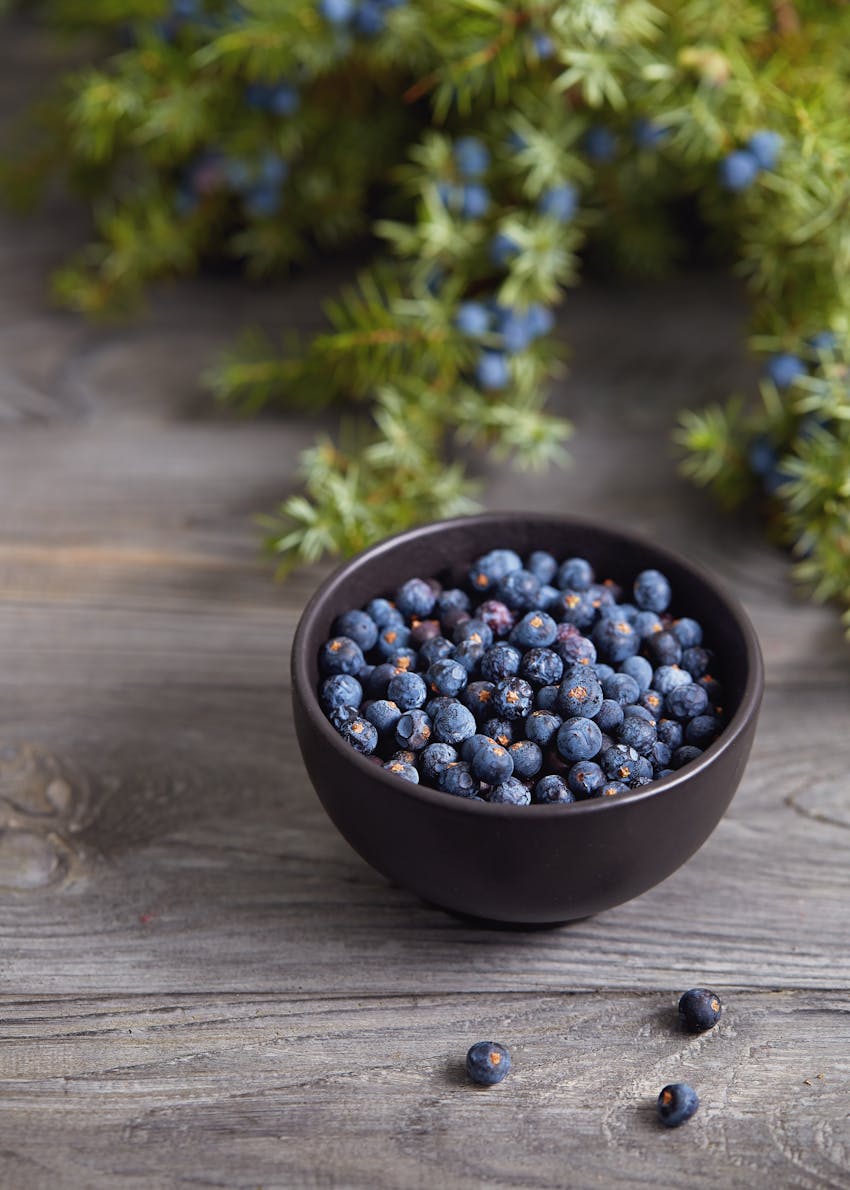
x: 525, y: 864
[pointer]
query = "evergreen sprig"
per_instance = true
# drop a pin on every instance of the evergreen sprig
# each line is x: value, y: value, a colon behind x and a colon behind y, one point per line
x: 495, y: 140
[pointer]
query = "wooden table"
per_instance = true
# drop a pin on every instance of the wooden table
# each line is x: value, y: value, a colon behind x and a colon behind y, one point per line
x: 201, y: 984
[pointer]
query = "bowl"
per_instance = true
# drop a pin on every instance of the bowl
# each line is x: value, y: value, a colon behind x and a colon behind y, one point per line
x: 525, y: 864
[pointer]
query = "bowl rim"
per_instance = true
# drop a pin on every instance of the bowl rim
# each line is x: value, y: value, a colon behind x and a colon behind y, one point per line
x: 747, y: 709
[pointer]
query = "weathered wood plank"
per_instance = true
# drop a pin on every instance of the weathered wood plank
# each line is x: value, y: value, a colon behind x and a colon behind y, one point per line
x: 311, y: 1091
x: 200, y: 982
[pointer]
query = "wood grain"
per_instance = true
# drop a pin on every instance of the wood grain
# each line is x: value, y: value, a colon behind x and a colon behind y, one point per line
x: 362, y: 1092
x: 200, y: 983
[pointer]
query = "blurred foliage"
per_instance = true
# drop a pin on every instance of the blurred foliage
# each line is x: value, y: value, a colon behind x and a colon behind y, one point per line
x: 268, y: 129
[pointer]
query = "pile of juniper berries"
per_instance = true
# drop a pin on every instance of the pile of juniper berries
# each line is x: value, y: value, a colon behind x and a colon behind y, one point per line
x: 536, y: 683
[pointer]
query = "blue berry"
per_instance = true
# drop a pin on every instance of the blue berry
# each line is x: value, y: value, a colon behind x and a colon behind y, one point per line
x: 368, y: 18
x: 491, y: 568
x: 446, y: 677
x: 685, y: 755
x: 471, y: 157
x: 611, y: 789
x: 546, y: 698
x: 503, y: 249
x: 515, y: 331
x: 600, y: 144
x: 576, y: 608
x: 561, y: 202
x: 553, y: 788
x: 263, y: 201
x: 620, y: 762
x: 472, y: 319
x: 435, y: 758
x: 413, y: 731
x: 615, y: 639
x: 452, y: 598
x: 578, y: 739
x: 401, y: 768
x: 500, y: 661
x: 415, y: 598
x: 407, y: 690
x: 783, y: 369
x: 491, y: 763
x: 664, y: 648
x: 340, y: 690
x: 541, y: 321
x: 392, y: 638
x: 637, y: 733
x: 456, y: 779
x: 609, y: 716
x: 492, y: 371
x: 544, y: 46
x: 638, y: 711
x: 473, y: 744
x: 738, y: 170
x: 476, y: 631
x: 677, y: 1102
x: 585, y: 778
x: 497, y: 616
x: 668, y: 677
x: 383, y: 612
x: 823, y: 341
x: 357, y: 626
x: 576, y: 650
x: 379, y: 679
x: 541, y: 667
x: 337, y: 12
x: 474, y: 201
x: 670, y: 733
x: 541, y: 727
x: 660, y: 754
x: 646, y: 624
x: 686, y: 702
x: 360, y: 734
x: 510, y: 793
x: 576, y: 574
x: 383, y: 714
x: 341, y: 715
x: 697, y: 661
x: 702, y: 730
x: 699, y: 1010
x: 765, y: 147
x: 648, y: 134
x: 580, y: 694
x: 453, y: 723
x: 513, y: 698
x: 652, y: 701
x: 621, y: 688
x: 339, y: 655
x: 487, y: 1063
x: 687, y: 632
x: 500, y: 730
x: 527, y: 757
x: 422, y: 631
x: 519, y: 590
x: 435, y: 650
x: 536, y: 630
x: 468, y: 654
x: 652, y: 591
x: 284, y: 100
x: 639, y: 668
x: 478, y: 696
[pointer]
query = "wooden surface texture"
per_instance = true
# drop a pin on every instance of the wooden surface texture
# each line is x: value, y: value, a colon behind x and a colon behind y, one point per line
x: 200, y: 983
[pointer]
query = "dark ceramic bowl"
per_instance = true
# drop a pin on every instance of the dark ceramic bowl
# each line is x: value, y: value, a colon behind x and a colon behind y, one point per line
x: 530, y: 864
